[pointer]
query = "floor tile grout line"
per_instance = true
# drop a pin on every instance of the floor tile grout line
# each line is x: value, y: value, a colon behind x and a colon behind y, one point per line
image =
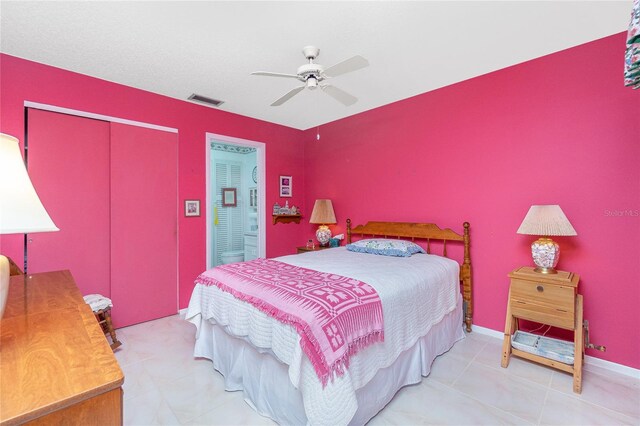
x: 462, y: 372
x: 157, y: 389
x: 488, y: 405
x: 544, y: 404
x: 521, y: 380
x: 469, y: 364
x: 504, y: 370
x: 580, y: 398
x: 474, y: 398
x: 593, y: 404
x: 189, y: 418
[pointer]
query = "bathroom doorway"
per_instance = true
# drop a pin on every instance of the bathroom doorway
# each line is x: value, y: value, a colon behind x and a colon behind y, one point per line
x: 235, y: 200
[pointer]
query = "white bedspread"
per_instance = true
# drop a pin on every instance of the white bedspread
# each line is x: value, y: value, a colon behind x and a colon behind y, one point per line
x: 416, y: 293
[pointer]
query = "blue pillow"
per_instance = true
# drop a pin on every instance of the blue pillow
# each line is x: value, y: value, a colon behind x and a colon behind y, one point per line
x: 386, y: 247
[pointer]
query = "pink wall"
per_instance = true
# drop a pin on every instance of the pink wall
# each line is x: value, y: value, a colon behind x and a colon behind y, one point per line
x: 463, y: 152
x: 561, y: 129
x: 22, y: 80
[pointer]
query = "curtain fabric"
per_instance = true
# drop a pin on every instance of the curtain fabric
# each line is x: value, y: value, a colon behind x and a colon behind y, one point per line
x: 632, y: 56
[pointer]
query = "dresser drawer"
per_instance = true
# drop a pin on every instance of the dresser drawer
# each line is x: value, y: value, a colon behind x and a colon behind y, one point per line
x: 545, y: 303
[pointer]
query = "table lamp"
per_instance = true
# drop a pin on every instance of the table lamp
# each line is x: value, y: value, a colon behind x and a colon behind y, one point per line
x: 546, y: 221
x: 21, y: 211
x: 323, y: 214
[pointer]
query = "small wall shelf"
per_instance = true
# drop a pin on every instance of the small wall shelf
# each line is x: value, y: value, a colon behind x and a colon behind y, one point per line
x: 286, y: 218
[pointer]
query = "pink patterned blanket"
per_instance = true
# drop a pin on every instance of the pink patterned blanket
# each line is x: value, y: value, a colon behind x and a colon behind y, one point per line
x: 335, y: 316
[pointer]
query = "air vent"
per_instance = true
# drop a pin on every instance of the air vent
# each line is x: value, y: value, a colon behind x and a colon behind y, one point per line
x: 205, y: 100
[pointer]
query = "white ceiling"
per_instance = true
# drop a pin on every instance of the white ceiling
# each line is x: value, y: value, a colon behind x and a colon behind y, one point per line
x: 178, y: 48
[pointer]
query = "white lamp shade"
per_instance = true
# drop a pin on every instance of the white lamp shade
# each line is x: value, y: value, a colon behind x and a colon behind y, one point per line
x: 21, y: 211
x: 546, y: 220
x: 323, y: 212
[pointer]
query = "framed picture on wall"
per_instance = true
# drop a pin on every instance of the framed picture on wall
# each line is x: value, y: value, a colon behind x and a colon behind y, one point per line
x: 192, y: 207
x: 286, y: 186
x: 229, y: 197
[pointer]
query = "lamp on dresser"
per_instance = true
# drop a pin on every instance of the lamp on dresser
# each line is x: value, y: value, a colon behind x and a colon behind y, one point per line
x: 546, y: 221
x: 21, y: 211
x: 323, y: 215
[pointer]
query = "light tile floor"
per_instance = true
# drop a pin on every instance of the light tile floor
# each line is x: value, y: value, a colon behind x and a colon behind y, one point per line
x: 164, y: 384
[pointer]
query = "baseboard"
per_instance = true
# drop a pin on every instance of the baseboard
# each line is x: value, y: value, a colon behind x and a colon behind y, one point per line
x: 487, y: 331
x: 589, y: 361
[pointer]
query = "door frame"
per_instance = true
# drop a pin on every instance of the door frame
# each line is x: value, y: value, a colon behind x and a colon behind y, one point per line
x: 261, y: 162
x: 86, y: 114
x: 113, y: 119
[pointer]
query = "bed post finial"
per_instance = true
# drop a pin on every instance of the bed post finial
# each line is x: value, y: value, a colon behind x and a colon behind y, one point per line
x: 465, y: 275
x: 348, y: 231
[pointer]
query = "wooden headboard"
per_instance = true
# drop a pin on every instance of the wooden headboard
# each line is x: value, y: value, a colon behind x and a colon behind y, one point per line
x: 426, y: 231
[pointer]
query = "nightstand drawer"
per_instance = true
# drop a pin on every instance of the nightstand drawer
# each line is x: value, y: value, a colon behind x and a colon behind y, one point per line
x: 544, y: 303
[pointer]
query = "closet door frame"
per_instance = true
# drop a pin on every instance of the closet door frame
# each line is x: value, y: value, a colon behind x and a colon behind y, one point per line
x: 86, y: 114
x: 112, y: 119
x: 260, y: 160
x: 83, y: 114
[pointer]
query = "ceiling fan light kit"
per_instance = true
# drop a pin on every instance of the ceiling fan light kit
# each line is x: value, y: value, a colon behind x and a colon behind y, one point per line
x: 313, y: 74
x: 312, y: 83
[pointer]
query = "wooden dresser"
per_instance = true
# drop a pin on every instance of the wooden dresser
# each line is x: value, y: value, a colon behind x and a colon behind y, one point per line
x: 55, y: 363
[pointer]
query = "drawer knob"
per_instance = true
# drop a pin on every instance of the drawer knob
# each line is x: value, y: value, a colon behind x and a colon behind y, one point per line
x: 540, y: 288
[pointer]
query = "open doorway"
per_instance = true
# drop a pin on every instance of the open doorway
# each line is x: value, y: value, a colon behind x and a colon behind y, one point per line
x: 235, y: 199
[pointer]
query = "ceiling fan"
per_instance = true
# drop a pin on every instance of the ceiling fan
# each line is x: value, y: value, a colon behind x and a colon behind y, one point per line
x: 313, y: 74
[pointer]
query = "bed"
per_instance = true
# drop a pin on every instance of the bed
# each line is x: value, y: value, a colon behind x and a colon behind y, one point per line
x: 425, y: 299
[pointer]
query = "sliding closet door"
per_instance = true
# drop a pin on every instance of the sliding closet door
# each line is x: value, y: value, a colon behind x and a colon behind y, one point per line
x: 144, y: 184
x: 68, y: 161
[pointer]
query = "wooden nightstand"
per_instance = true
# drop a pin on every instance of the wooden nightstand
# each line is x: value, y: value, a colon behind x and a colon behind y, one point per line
x: 305, y: 249
x: 550, y: 299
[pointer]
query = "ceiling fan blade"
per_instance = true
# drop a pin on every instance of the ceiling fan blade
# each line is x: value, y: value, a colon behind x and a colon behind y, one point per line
x: 288, y: 96
x: 274, y: 74
x: 346, y: 66
x: 339, y: 95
